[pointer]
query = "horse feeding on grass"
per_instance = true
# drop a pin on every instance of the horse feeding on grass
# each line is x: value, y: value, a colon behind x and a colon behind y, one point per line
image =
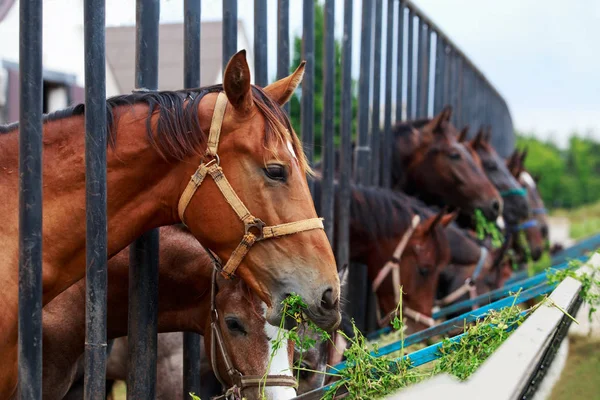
x: 385, y: 236
x: 157, y: 141
x: 191, y: 298
x: 516, y: 206
x: 428, y: 162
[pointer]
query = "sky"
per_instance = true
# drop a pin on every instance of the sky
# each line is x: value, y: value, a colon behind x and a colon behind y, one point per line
x: 541, y: 55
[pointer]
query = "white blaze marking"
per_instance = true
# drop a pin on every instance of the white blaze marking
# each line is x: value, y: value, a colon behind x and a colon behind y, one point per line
x: 527, y: 179
x: 280, y: 364
x: 500, y: 222
x: 291, y: 149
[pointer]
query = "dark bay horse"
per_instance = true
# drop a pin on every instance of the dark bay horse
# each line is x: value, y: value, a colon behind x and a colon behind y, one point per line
x: 379, y: 221
x: 536, y: 227
x: 429, y: 162
x: 184, y: 305
x: 158, y: 140
x: 516, y: 206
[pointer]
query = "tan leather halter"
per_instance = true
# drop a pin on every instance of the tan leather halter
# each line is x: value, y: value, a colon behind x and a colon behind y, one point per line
x: 239, y: 381
x: 254, y: 228
x: 393, y: 266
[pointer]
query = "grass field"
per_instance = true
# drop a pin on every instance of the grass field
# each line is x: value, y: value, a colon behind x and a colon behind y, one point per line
x: 579, y: 379
x: 585, y: 220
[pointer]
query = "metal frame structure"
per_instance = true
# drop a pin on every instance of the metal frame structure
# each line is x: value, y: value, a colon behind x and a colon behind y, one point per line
x: 395, y: 50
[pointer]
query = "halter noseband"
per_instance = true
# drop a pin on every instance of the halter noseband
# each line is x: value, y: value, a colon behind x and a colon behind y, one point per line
x: 469, y: 285
x: 522, y: 192
x: 239, y: 381
x: 525, y: 225
x: 393, y: 266
x: 254, y: 228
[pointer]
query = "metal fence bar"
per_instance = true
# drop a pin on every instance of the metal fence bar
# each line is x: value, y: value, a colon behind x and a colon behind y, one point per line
x: 386, y: 149
x: 95, y: 196
x: 346, y: 117
x: 361, y: 168
x: 230, y: 12
x: 30, y: 200
x: 410, y: 111
x: 400, y: 61
x: 376, y: 104
x: 421, y: 75
x: 283, y: 42
x: 191, y: 79
x: 307, y: 111
x: 260, y: 43
x: 440, y: 75
x: 426, y: 70
x: 143, y: 259
x: 327, y: 193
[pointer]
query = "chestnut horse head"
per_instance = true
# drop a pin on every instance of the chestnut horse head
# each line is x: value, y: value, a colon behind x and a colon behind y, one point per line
x: 254, y: 209
x: 437, y: 168
x: 241, y: 338
x: 516, y: 206
x: 401, y: 249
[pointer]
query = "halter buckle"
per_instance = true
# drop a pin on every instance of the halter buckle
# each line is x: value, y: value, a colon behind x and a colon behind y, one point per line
x: 215, y: 160
x: 259, y: 225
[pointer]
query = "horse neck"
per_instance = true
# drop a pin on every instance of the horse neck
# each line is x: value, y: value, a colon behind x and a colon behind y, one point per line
x: 463, y: 250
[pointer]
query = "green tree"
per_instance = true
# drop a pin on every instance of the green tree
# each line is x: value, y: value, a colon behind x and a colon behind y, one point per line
x: 318, y: 87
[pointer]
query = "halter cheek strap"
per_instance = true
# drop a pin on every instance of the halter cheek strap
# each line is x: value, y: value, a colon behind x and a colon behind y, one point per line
x: 254, y: 228
x: 393, y: 266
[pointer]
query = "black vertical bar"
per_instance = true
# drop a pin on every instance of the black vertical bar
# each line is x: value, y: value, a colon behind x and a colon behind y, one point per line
x: 260, y: 43
x: 440, y: 74
x: 410, y: 112
x: 426, y: 69
x: 327, y: 194
x: 400, y: 62
x: 307, y: 112
x: 361, y: 168
x: 95, y: 205
x: 386, y: 152
x: 191, y: 79
x: 447, y: 76
x: 346, y: 117
x: 420, y: 68
x: 453, y: 89
x: 30, y: 200
x: 230, y: 17
x: 376, y: 105
x: 283, y: 42
x: 143, y: 257
x: 460, y: 88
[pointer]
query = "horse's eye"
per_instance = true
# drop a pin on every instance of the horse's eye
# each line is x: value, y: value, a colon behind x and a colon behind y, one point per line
x: 490, y: 166
x: 276, y: 172
x: 454, y: 156
x: 235, y: 326
x: 305, y: 373
x: 423, y: 271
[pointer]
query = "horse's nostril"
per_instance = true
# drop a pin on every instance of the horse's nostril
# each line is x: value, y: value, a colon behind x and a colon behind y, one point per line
x: 327, y: 301
x: 496, y: 205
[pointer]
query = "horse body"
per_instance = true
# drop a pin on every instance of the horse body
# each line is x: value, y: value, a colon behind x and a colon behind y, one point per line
x: 163, y: 133
x: 184, y: 305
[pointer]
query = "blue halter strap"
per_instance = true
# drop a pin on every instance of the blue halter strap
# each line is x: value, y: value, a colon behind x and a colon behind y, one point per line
x: 539, y: 211
x: 525, y: 225
x: 522, y: 192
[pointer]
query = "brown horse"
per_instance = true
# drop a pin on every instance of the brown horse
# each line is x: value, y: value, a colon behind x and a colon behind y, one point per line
x: 536, y: 227
x: 184, y: 305
x: 516, y: 206
x: 379, y: 222
x: 158, y: 141
x: 428, y: 161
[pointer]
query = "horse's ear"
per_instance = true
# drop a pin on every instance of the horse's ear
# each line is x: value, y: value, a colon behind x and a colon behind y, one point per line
x: 463, y: 134
x: 441, y: 120
x: 478, y: 140
x: 236, y: 83
x: 449, y: 218
x: 488, y: 134
x: 431, y: 222
x: 523, y: 156
x: 282, y: 90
